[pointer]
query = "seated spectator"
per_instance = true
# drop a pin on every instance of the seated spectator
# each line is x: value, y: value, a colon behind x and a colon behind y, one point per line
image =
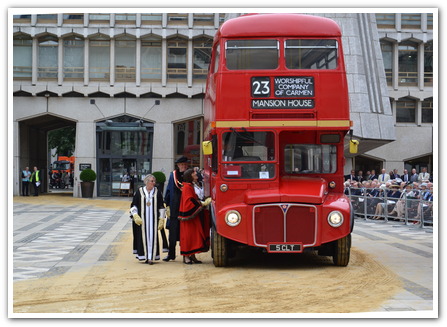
x: 399, y: 208
x: 351, y: 177
x: 392, y: 195
x: 426, y: 205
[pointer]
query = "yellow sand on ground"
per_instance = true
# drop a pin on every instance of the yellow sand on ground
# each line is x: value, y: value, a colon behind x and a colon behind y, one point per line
x: 256, y: 283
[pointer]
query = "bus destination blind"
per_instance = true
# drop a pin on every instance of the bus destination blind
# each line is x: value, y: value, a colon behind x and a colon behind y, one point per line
x: 289, y: 92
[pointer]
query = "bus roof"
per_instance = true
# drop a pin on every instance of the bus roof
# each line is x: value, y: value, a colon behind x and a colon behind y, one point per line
x: 269, y: 25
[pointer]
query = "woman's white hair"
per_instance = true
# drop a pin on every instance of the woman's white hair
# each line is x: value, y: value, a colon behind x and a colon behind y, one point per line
x: 148, y: 177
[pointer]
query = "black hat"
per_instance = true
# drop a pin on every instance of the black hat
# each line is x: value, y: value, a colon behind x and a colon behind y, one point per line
x: 181, y: 159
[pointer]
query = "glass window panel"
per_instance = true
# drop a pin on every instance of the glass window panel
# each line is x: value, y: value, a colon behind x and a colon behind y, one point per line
x: 430, y: 21
x: 406, y: 111
x: 311, y: 54
x: 408, y: 64
x: 73, y: 18
x: 177, y: 52
x: 386, y: 20
x: 249, y: 154
x: 125, y: 17
x: 411, y: 21
x: 46, y: 18
x: 73, y: 57
x: 202, y: 57
x: 252, y: 54
x: 151, y: 59
x: 203, y: 19
x: 125, y: 59
x: 47, y: 57
x: 248, y: 146
x: 100, y: 19
x: 178, y: 19
x: 427, y: 111
x: 99, y: 57
x: 310, y: 159
x: 428, y: 64
x: 151, y: 19
x: 387, y: 55
x: 22, y: 57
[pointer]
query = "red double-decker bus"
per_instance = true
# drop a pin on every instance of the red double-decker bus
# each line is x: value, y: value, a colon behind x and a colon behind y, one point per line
x: 276, y: 115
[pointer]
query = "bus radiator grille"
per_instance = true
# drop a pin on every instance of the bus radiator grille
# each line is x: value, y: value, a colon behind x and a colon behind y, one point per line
x: 284, y: 223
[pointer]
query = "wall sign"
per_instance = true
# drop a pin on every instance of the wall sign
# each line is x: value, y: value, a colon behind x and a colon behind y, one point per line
x: 83, y: 166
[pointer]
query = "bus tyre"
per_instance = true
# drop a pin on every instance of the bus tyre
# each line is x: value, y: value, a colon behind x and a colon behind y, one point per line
x: 342, y: 250
x: 219, y: 249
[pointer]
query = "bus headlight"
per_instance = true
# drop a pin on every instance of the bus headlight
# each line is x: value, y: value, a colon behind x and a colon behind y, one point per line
x: 233, y: 218
x: 335, y: 219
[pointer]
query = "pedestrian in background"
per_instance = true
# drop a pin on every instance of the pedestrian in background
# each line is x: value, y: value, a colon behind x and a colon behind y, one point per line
x: 26, y: 174
x: 35, y: 180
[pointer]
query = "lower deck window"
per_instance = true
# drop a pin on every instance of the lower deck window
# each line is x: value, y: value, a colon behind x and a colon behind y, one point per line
x: 310, y: 159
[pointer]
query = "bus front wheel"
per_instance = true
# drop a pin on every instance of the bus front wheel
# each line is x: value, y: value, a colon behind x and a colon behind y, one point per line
x: 342, y: 250
x: 219, y: 249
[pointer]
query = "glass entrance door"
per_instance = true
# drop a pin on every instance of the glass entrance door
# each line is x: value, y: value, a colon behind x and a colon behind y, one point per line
x: 112, y: 174
x: 124, y: 152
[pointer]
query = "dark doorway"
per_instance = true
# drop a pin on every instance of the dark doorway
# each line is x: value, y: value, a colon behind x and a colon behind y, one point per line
x: 364, y: 164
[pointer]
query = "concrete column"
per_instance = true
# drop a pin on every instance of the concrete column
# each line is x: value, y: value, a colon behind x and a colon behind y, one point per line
x: 189, y: 60
x: 395, y: 74
x: 60, y: 61
x: 60, y: 19
x: 216, y: 20
x: 86, y: 61
x: 418, y: 112
x: 17, y: 154
x: 164, y: 61
x: 421, y: 66
x: 85, y: 145
x: 112, y: 62
x: 138, y: 62
x: 34, y: 61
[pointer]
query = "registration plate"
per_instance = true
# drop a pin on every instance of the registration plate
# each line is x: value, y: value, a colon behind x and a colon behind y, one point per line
x: 284, y: 248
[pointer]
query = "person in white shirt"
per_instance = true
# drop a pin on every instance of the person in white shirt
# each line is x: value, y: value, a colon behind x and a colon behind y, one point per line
x: 383, y: 177
x: 423, y: 176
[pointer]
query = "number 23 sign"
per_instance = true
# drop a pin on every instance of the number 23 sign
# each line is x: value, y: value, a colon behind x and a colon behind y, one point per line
x: 260, y: 87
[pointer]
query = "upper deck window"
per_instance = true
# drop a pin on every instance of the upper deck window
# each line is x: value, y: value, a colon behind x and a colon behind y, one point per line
x: 311, y: 54
x: 252, y: 54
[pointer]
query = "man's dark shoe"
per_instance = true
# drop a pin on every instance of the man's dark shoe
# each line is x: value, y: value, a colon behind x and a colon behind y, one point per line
x: 167, y: 258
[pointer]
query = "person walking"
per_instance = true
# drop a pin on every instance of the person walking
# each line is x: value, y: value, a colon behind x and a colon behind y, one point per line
x: 148, y: 212
x: 26, y: 174
x: 195, y: 226
x: 172, y: 199
x: 35, y: 180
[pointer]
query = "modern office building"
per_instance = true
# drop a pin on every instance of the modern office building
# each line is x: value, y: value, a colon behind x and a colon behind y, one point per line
x: 133, y: 85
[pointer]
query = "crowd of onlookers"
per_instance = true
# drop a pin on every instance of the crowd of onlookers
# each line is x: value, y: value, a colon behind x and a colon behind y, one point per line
x: 390, y: 195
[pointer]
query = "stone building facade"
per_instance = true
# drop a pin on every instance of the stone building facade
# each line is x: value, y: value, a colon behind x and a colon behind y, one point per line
x: 132, y: 85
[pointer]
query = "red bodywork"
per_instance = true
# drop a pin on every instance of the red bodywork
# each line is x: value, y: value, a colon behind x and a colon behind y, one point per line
x: 287, y: 208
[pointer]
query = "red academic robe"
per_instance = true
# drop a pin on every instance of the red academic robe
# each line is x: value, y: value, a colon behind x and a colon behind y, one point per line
x: 194, y: 223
